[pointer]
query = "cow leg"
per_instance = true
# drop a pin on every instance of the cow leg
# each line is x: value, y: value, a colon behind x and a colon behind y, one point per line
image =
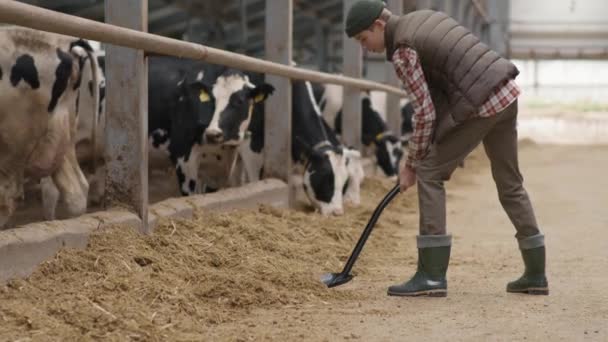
x: 237, y: 175
x: 72, y: 184
x: 353, y: 193
x: 17, y: 140
x: 97, y: 185
x: 252, y: 163
x: 50, y: 197
x: 356, y: 174
x: 9, y: 190
x: 187, y: 172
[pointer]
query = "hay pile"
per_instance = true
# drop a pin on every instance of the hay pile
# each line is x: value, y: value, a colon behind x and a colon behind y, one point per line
x: 194, y: 274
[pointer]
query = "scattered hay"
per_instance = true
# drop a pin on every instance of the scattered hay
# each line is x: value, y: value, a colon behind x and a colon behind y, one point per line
x: 192, y: 274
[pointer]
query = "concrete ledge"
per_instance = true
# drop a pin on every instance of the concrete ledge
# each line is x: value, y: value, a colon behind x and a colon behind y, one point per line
x: 23, y: 248
x: 267, y: 191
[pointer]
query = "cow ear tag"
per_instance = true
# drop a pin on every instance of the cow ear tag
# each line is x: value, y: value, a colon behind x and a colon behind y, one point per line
x: 204, y: 97
x: 258, y: 98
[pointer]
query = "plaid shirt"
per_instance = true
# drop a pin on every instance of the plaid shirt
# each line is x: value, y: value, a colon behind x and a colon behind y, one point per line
x: 408, y: 68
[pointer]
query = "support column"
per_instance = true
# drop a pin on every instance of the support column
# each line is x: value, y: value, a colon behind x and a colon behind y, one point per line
x: 352, y: 63
x: 393, y: 109
x: 126, y: 132
x: 277, y: 118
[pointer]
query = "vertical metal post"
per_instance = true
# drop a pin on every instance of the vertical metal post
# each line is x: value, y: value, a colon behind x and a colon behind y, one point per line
x: 352, y: 63
x: 448, y: 6
x: 277, y: 118
x: 499, y: 13
x: 126, y: 132
x: 393, y: 109
x: 423, y: 4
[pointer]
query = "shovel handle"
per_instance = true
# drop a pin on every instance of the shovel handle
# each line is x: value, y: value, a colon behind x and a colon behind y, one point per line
x: 369, y: 227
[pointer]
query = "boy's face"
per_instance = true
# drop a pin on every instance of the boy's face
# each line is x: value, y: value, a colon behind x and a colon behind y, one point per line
x: 372, y: 39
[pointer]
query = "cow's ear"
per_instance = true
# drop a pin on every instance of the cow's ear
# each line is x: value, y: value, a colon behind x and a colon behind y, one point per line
x: 261, y: 92
x: 201, y: 89
x: 203, y: 96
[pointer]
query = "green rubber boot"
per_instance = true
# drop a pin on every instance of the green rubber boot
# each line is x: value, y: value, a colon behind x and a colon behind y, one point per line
x: 533, y: 281
x: 429, y: 279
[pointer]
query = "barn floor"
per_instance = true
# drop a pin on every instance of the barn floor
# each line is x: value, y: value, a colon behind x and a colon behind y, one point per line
x: 253, y: 275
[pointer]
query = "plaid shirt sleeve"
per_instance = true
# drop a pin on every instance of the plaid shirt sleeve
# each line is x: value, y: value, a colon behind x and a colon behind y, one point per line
x: 500, y: 99
x: 408, y: 69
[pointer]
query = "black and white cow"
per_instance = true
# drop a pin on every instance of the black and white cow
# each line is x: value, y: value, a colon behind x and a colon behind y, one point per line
x: 332, y: 173
x: 378, y: 99
x: 40, y: 80
x: 192, y: 104
x: 194, y: 108
x: 388, y: 149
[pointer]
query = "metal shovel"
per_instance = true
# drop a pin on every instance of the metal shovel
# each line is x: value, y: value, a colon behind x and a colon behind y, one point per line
x: 336, y: 279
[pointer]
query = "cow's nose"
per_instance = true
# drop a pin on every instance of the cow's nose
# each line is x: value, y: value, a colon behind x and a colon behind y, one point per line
x: 214, y: 136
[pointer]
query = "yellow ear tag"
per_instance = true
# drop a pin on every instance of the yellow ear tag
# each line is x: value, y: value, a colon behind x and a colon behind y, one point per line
x: 259, y: 98
x: 204, y: 97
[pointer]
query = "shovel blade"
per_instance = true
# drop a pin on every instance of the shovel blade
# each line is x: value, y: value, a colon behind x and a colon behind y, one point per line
x: 336, y: 279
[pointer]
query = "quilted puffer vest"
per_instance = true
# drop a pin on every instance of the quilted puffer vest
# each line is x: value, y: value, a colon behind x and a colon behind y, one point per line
x: 460, y: 70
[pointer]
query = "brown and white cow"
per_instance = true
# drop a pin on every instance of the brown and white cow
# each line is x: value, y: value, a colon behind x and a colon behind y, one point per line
x: 40, y: 80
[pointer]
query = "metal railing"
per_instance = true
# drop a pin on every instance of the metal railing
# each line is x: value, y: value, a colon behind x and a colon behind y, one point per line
x: 13, y: 12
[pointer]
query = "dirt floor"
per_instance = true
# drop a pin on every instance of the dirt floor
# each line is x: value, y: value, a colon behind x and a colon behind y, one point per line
x: 253, y: 275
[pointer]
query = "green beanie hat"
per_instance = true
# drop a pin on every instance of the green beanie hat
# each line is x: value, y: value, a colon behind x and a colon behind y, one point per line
x: 362, y: 15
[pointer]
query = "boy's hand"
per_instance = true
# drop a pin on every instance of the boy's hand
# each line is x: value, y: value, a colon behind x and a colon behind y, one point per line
x: 407, y: 178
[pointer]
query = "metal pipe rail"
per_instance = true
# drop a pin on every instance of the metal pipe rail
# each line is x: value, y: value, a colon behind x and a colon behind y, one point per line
x: 13, y: 12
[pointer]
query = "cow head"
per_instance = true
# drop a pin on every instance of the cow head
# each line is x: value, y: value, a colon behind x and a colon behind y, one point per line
x: 388, y: 147
x: 325, y: 176
x: 233, y: 97
x: 388, y: 153
x: 193, y: 110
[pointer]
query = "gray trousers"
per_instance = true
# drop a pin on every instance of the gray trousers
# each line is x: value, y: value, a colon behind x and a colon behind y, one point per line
x: 499, y: 136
